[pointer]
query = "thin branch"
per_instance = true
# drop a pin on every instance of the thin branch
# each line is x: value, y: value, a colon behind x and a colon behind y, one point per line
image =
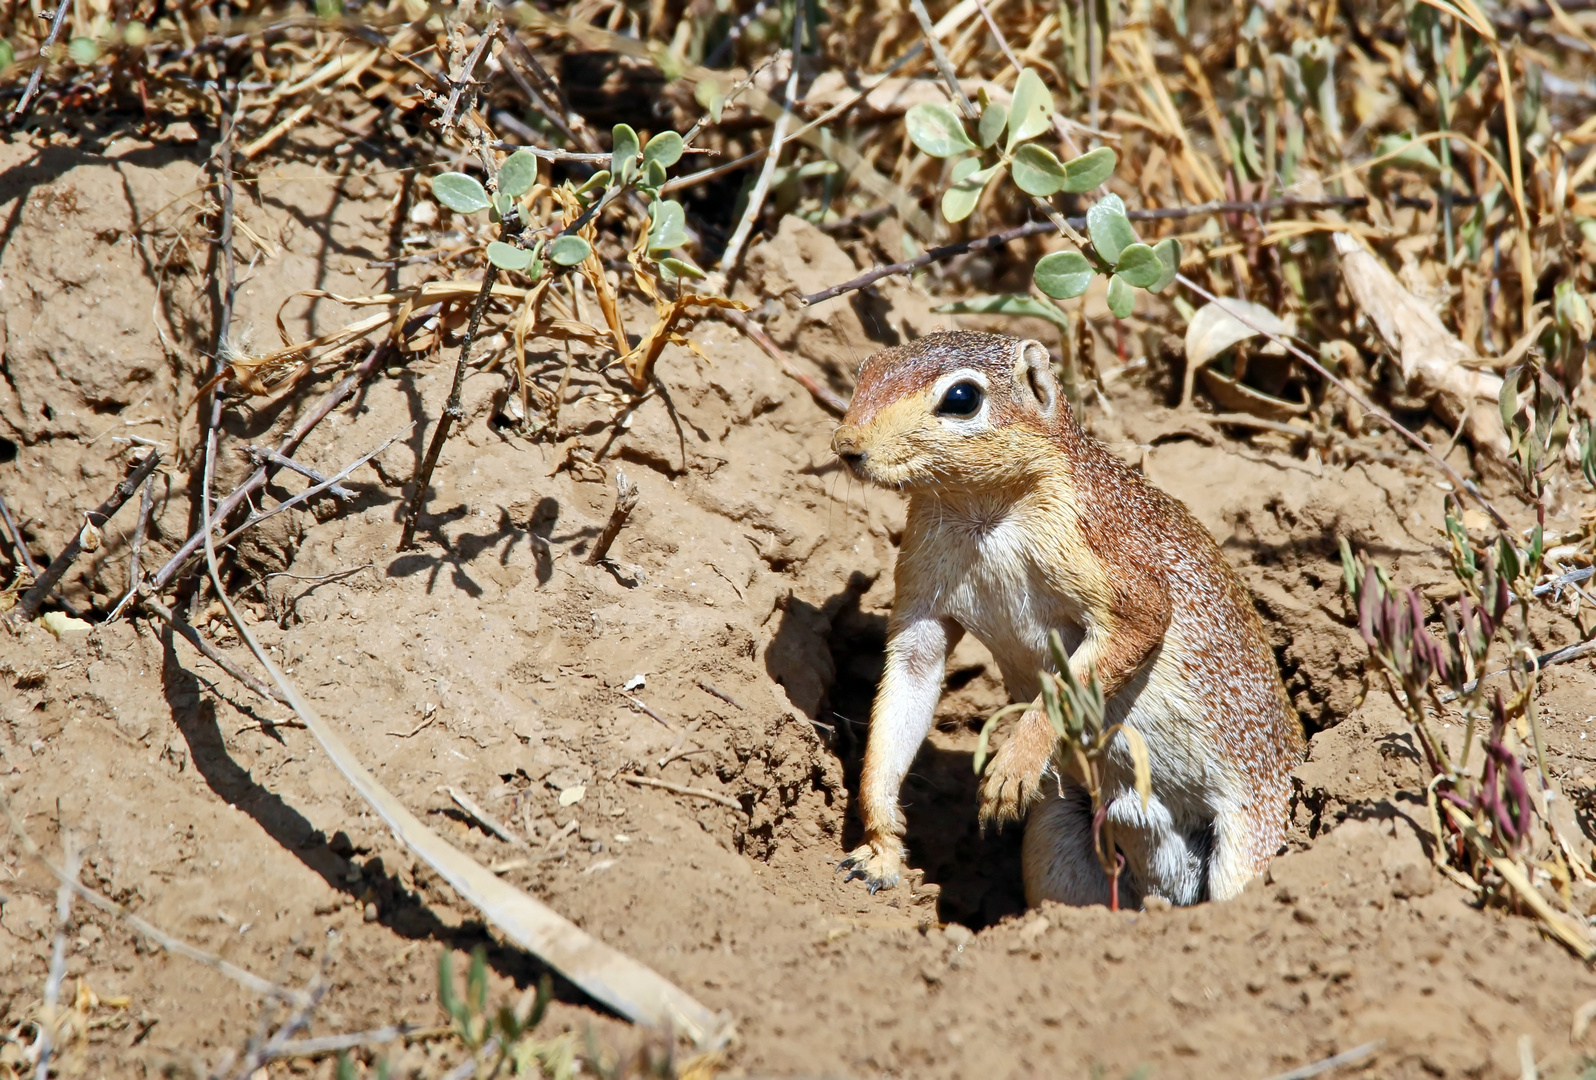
x: 188, y: 633
x: 48, y: 1021
x: 683, y: 789
x: 461, y: 80
x: 142, y: 926
x: 16, y: 540
x: 316, y: 489
x: 374, y: 361
x: 940, y: 57
x: 1346, y: 1057
x: 31, y: 601
x: 56, y: 23
x: 283, y: 461
x: 1041, y: 228
x: 778, y: 138
x: 140, y: 533
x: 756, y: 333
x: 626, y: 494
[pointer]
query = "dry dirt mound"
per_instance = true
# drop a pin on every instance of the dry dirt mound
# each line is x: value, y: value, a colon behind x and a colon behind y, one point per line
x: 733, y: 651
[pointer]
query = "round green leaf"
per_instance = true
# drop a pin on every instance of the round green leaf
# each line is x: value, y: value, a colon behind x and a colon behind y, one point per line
x: 460, y: 193
x: 1063, y: 275
x: 1109, y: 229
x: 958, y: 202
x: 1168, y: 252
x: 501, y: 203
x: 935, y: 130
x: 569, y: 250
x: 135, y: 33
x: 1138, y: 266
x: 665, y: 148
x: 1090, y: 170
x: 623, y: 151
x: 600, y: 179
x: 1030, y: 110
x: 1121, y: 297
x: 1036, y: 171
x: 994, y: 118
x: 518, y: 173
x: 8, y: 55
x: 508, y: 256
x: 84, y: 50
x: 668, y: 229
x: 653, y: 177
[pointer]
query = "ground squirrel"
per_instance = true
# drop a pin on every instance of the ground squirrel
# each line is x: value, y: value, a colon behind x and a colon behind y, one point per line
x: 1020, y: 523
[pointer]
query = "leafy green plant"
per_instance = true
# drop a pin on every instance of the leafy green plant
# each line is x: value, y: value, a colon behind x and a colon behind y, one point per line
x: 1077, y: 712
x: 1003, y: 145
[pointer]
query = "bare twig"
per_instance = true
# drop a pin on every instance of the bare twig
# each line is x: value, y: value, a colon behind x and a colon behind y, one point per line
x: 358, y: 1040
x: 271, y: 1048
x: 756, y: 333
x: 626, y: 494
x: 374, y: 361
x: 997, y: 35
x: 1346, y: 1057
x: 778, y: 137
x: 191, y: 635
x: 940, y: 56
x: 1040, y: 228
x: 140, y: 533
x: 651, y: 713
x: 453, y: 411
x: 460, y: 80
x: 56, y: 23
x: 316, y: 489
x: 283, y: 461
x: 485, y: 819
x: 727, y: 698
x: 683, y: 789
x: 142, y: 926
x: 48, y: 1020
x: 29, y: 605
x: 15, y: 534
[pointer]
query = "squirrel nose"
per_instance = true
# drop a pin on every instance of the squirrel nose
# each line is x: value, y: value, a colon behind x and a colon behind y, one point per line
x: 846, y: 443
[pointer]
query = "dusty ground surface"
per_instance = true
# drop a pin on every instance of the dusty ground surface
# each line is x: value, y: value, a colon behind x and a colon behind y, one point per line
x: 748, y: 612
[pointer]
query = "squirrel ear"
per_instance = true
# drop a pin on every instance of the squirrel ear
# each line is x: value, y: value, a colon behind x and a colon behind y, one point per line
x: 1034, y: 383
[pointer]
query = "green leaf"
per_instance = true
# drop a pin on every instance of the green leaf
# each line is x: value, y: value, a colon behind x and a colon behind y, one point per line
x: 936, y: 130
x: 448, y: 1001
x: 678, y: 268
x: 653, y: 177
x: 1168, y: 252
x: 668, y: 228
x: 1015, y: 304
x: 569, y: 250
x: 1138, y: 266
x: 1030, y: 110
x: 958, y: 202
x: 600, y: 179
x: 665, y: 148
x: 1121, y: 297
x: 518, y: 173
x: 477, y: 981
x: 994, y: 118
x: 1063, y: 275
x: 346, y: 1067
x: 712, y: 96
x: 623, y: 151
x: 1109, y: 228
x: 8, y: 55
x: 508, y: 256
x: 459, y: 192
x: 84, y: 50
x: 1408, y: 152
x: 1037, y: 172
x: 1090, y: 170
x: 501, y: 204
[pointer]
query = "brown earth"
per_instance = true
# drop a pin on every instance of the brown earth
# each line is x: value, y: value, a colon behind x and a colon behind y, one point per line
x: 496, y: 661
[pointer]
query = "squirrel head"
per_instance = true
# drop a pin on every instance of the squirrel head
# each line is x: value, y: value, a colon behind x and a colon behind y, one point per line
x: 953, y: 410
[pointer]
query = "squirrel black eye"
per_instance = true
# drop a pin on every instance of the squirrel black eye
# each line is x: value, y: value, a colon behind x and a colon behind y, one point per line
x: 962, y: 399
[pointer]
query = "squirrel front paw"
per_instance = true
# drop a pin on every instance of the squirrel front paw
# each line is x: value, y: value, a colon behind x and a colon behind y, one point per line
x: 1013, y: 778
x: 878, y: 863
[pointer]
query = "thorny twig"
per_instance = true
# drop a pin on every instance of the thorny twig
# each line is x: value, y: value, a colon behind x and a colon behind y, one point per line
x: 190, y: 634
x: 48, y: 1024
x: 140, y: 534
x: 31, y: 601
x: 283, y: 461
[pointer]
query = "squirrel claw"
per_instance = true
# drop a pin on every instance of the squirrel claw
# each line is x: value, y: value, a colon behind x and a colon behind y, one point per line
x: 1013, y: 780
x: 877, y: 868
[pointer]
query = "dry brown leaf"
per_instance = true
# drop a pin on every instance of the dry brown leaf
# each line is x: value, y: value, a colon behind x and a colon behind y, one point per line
x: 1433, y: 361
x: 640, y: 361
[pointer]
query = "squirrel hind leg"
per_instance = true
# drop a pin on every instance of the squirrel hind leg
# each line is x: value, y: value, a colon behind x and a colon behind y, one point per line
x: 1058, y: 859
